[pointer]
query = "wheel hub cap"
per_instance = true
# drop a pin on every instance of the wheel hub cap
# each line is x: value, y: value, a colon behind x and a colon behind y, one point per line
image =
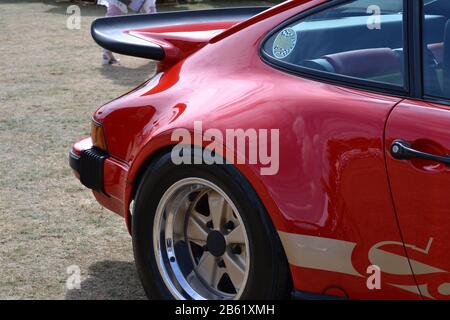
x: 216, y: 244
x: 200, y: 242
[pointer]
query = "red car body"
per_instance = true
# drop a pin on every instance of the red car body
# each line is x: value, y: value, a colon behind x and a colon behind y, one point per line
x: 340, y: 201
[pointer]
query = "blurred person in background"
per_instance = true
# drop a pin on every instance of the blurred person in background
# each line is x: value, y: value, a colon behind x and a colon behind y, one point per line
x: 120, y: 7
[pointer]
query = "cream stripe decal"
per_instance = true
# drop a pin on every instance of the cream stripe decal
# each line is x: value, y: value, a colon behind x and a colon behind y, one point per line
x: 336, y: 256
x: 319, y: 253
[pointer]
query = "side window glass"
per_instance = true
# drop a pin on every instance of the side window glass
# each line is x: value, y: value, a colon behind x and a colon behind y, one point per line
x: 360, y: 39
x: 436, y: 48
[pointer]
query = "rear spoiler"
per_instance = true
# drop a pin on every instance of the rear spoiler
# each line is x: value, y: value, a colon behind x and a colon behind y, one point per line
x: 140, y: 35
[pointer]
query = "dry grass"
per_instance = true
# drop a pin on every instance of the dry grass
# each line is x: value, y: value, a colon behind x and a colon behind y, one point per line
x: 50, y: 83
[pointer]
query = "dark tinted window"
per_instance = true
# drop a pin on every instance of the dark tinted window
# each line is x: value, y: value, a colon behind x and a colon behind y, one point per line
x: 360, y: 39
x: 436, y: 48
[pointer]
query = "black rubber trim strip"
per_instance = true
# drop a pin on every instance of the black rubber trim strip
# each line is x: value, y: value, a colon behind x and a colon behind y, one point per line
x: 74, y: 161
x: 90, y: 166
x: 109, y: 32
x: 301, y: 295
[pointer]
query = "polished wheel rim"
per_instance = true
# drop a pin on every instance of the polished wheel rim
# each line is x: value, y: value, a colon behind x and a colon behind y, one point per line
x: 200, y: 242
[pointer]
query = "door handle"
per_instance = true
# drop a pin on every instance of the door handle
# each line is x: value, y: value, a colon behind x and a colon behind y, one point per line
x: 402, y: 150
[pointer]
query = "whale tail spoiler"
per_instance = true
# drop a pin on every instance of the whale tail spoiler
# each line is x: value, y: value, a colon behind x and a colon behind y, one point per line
x: 166, y: 37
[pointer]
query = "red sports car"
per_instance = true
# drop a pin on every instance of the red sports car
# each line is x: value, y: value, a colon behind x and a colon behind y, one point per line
x: 294, y: 151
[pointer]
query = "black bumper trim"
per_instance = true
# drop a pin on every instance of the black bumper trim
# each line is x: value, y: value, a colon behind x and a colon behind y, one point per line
x: 302, y: 295
x: 73, y: 161
x: 89, y: 165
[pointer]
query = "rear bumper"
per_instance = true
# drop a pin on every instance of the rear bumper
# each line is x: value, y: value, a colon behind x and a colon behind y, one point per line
x: 105, y: 175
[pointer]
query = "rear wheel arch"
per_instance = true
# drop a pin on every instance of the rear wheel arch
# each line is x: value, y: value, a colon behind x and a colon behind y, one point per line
x: 137, y: 177
x: 146, y: 164
x: 157, y: 154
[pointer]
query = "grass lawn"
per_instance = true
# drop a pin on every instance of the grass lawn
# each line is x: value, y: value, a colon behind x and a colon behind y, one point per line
x: 51, y: 82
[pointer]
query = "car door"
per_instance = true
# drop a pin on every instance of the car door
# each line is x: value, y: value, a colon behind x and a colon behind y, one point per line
x: 349, y: 57
x: 417, y: 144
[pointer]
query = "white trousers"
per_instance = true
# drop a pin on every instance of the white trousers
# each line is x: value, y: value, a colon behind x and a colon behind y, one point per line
x: 148, y: 6
x: 118, y: 8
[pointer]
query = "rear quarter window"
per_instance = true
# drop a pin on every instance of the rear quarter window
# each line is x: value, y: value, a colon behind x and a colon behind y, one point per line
x: 361, y: 39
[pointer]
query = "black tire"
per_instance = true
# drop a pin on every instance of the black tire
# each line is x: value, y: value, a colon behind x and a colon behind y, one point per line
x: 269, y: 276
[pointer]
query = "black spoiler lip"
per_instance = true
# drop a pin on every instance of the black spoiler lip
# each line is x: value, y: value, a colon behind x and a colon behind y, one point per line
x: 109, y: 33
